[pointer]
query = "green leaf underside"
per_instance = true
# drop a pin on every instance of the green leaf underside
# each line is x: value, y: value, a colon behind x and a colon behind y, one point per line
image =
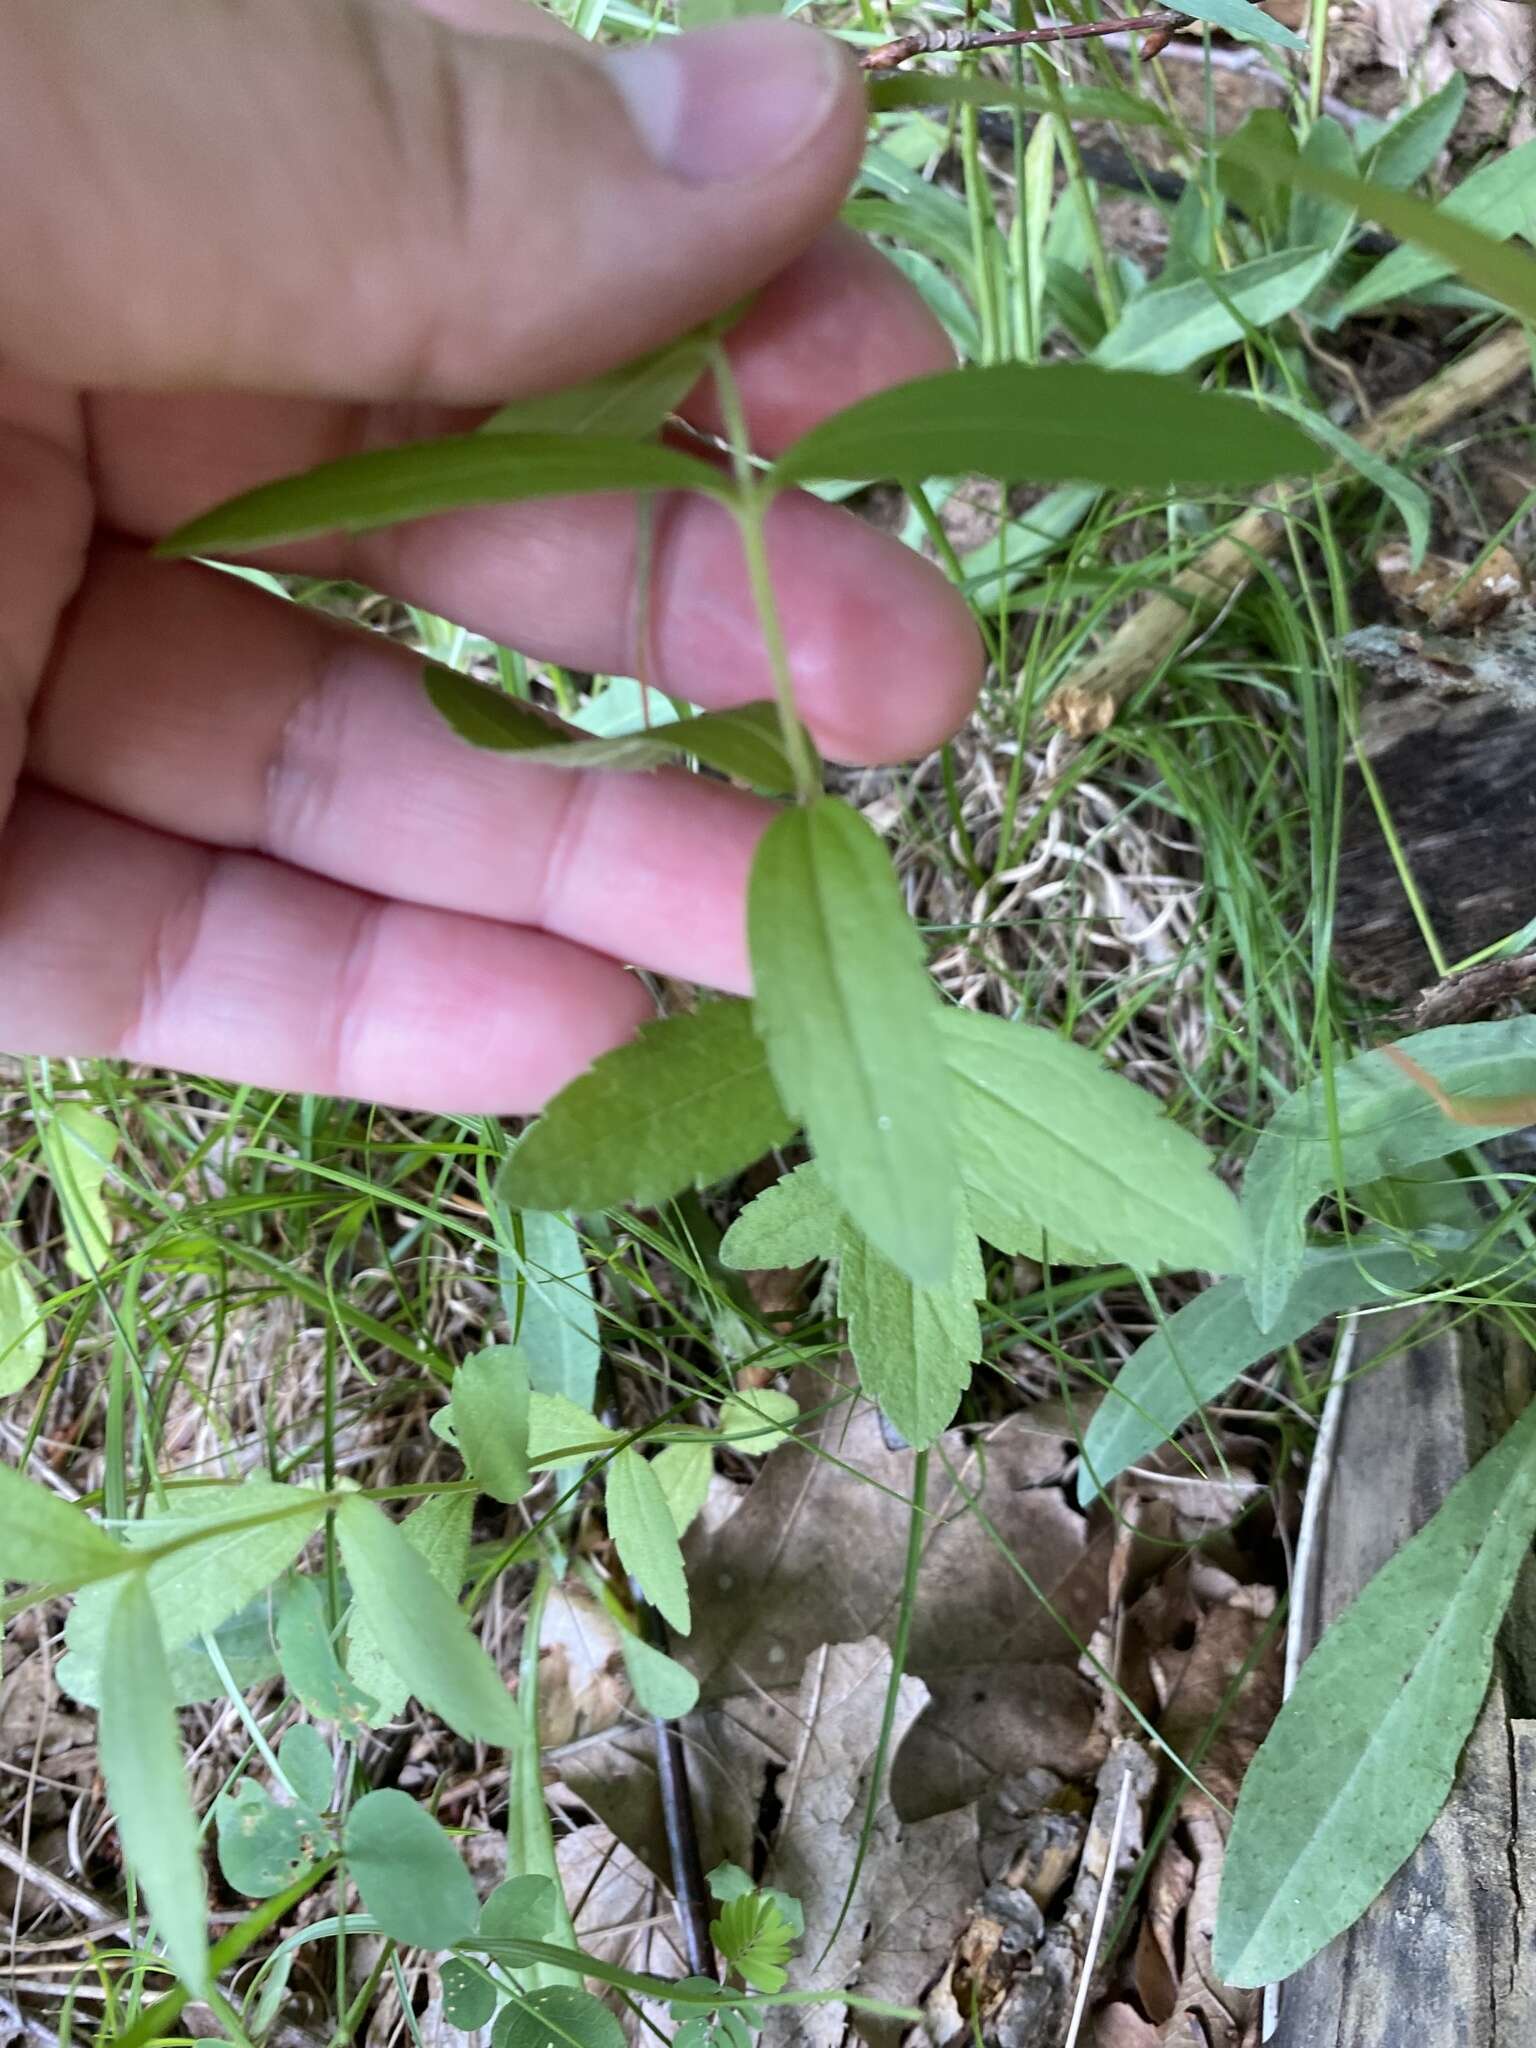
x: 419, y: 1628
x: 46, y: 1541
x: 438, y: 1531
x: 1172, y: 327
x: 789, y: 1224
x: 264, y: 1847
x: 411, y: 1877
x: 1241, y: 18
x: 1053, y: 423
x: 1495, y: 200
x: 1364, y: 1752
x: 1201, y: 1350
x: 1385, y: 1124
x: 662, y: 1687
x: 244, y: 1643
x: 1505, y: 274
x: 557, y: 2017
x: 546, y: 1293
x: 490, y: 1420
x: 309, y: 1661
x: 305, y: 1756
x: 140, y: 1755
x: 758, y: 1419
x: 1415, y: 139
x: 23, y: 1335
x: 78, y: 1148
x: 195, y: 1590
x: 683, y: 1472
x: 685, y: 1102
x: 556, y: 1424
x: 521, y: 1908
x: 627, y: 403
x: 1052, y: 1140
x: 849, y: 1017
x: 424, y: 478
x: 914, y: 1346
x: 746, y: 743
x: 645, y: 1536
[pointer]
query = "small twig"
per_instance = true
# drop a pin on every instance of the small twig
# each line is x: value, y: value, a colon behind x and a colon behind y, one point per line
x: 1476, y: 992
x: 943, y: 42
x: 689, y: 1891
x: 1090, y: 698
x: 59, y: 1889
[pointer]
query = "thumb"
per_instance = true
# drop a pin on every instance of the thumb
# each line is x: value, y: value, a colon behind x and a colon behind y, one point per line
x: 353, y: 199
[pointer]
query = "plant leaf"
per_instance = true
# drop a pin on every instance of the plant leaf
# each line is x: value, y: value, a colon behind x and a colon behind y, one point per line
x: 424, y: 478
x: 789, y: 1224
x: 745, y: 743
x: 23, y: 1332
x: 1243, y: 20
x: 520, y: 1909
x: 889, y: 94
x: 850, y: 1018
x: 1409, y: 147
x: 1172, y: 327
x: 628, y: 403
x: 1052, y: 423
x: 46, y: 1541
x: 546, y: 1293
x: 438, y: 1531
x: 1411, y: 500
x: 662, y: 1687
x: 1311, y: 217
x: 1497, y: 205
x: 683, y: 1472
x: 469, y: 1997
x: 1364, y: 1752
x: 305, y: 1756
x: 913, y: 1346
x: 264, y: 1847
x: 558, y: 2017
x: 411, y: 1877
x: 1051, y: 1139
x: 1201, y: 1349
x: 685, y: 1102
x: 490, y: 1420
x: 640, y: 1523
x: 78, y: 1148
x: 758, y: 1419
x: 1385, y: 1124
x: 310, y: 1664
x: 141, y: 1763
x: 419, y: 1629
x: 556, y: 1424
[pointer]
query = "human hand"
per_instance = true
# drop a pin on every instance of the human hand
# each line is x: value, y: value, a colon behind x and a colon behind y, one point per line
x: 239, y: 237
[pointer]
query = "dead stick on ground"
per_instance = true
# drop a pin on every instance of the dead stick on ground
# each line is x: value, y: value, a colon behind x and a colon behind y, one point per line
x: 944, y: 42
x: 1088, y: 701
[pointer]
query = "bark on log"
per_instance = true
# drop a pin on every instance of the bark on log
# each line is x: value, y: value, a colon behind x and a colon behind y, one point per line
x: 1446, y: 1957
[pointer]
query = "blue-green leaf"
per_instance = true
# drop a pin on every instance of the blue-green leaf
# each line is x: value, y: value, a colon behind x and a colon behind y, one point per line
x: 1174, y: 326
x: 411, y: 1877
x: 141, y: 1763
x: 264, y: 1847
x: 309, y: 1661
x: 546, y: 1292
x: 438, y: 1531
x: 490, y: 1420
x: 1242, y: 19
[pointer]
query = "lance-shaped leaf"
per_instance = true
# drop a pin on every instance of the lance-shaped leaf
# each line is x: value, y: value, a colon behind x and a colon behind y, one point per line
x: 914, y: 1346
x: 1053, y: 423
x: 1174, y: 326
x: 388, y: 485
x: 645, y: 1535
x: 1364, y: 1752
x: 1200, y: 1350
x: 490, y: 1420
x: 47, y: 1541
x: 79, y: 1146
x: 438, y: 1531
x: 1382, y: 1122
x: 746, y: 743
x: 688, y: 1100
x: 1242, y: 19
x: 141, y: 1762
x: 23, y: 1334
x: 850, y: 1020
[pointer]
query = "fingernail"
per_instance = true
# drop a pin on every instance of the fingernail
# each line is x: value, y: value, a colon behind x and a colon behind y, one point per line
x: 735, y: 101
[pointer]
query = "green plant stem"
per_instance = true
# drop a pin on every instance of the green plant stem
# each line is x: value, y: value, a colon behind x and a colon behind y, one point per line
x: 917, y: 1528
x: 754, y: 497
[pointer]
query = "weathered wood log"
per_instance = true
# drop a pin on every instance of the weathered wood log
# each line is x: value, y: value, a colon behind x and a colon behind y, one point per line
x: 1446, y: 1958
